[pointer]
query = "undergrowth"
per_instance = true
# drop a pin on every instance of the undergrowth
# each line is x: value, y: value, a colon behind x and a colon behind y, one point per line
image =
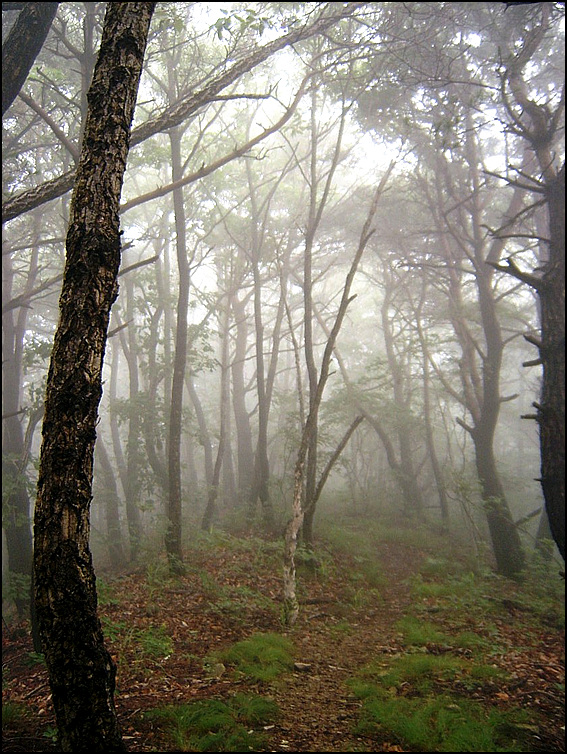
x: 422, y: 696
x: 445, y: 723
x: 261, y: 657
x: 215, y: 725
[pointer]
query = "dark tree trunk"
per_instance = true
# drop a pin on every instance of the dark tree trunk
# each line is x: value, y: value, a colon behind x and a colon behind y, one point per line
x: 506, y: 543
x: 81, y: 671
x: 551, y: 411
x: 540, y: 125
x: 22, y: 46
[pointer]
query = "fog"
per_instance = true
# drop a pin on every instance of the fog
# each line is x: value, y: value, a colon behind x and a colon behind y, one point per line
x: 248, y: 336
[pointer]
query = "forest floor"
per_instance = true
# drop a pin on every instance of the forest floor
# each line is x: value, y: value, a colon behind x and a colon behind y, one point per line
x: 365, y: 610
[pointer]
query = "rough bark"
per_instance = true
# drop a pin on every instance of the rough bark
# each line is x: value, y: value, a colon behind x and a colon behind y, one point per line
x: 81, y: 671
x: 535, y: 122
x: 22, y: 46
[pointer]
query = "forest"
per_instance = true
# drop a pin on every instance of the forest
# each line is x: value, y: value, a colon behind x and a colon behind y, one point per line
x: 283, y: 376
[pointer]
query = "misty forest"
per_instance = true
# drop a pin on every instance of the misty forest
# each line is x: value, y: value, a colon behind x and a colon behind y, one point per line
x: 283, y: 361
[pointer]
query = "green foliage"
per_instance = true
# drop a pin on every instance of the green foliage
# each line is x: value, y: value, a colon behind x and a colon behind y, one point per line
x: 152, y: 643
x: 105, y: 595
x: 17, y: 588
x: 443, y: 723
x: 35, y: 658
x: 263, y: 657
x: 36, y: 353
x: 422, y: 671
x: 540, y: 597
x: 461, y: 591
x: 158, y: 575
x: 115, y: 631
x: 242, y: 21
x: 214, y: 725
x: 12, y: 713
x: 420, y: 633
x: 52, y: 734
x: 155, y: 642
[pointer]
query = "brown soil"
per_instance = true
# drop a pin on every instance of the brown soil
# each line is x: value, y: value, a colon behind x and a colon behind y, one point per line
x: 340, y: 629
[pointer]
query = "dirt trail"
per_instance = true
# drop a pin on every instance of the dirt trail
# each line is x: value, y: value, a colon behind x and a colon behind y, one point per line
x: 229, y: 593
x: 318, y: 709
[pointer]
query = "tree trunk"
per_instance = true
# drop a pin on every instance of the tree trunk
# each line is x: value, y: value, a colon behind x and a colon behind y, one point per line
x: 260, y: 488
x: 213, y: 487
x: 506, y: 544
x: 551, y: 411
x: 173, y: 544
x: 290, y: 603
x: 536, y: 122
x: 22, y: 46
x: 81, y: 671
x: 245, y: 451
x: 16, y: 519
x: 133, y: 457
x: 109, y: 498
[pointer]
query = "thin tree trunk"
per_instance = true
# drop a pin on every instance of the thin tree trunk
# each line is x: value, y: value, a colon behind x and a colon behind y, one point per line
x: 290, y: 602
x: 245, y: 451
x: 109, y: 498
x: 16, y: 517
x: 173, y: 537
x: 213, y: 488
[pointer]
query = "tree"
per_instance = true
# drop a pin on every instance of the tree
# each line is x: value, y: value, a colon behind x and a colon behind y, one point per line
x: 191, y: 103
x: 290, y: 603
x: 538, y: 122
x: 22, y: 46
x: 81, y: 671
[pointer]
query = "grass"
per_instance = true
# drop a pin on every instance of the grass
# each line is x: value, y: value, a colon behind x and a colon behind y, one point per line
x: 406, y: 697
x: 13, y: 712
x: 215, y: 725
x: 419, y: 633
x: 420, y: 671
x: 422, y: 633
x: 152, y: 643
x: 421, y: 697
x: 446, y: 724
x: 262, y: 657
